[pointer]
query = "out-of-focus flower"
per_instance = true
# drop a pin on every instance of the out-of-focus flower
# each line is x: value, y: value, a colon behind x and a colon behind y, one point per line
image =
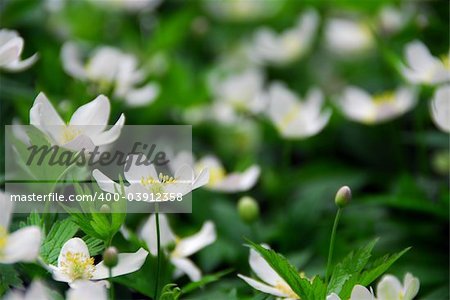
x: 422, y: 67
x: 242, y: 10
x: 359, y: 292
x: 178, y: 249
x: 360, y: 106
x: 440, y: 108
x: 347, y: 37
x: 270, y: 282
x: 110, y: 68
x: 294, y: 118
x: 392, y: 19
x: 87, y: 290
x: 36, y: 290
x: 242, y: 91
x: 87, y: 126
x: 220, y: 181
x: 75, y: 264
x: 128, y: 5
x: 21, y: 245
x: 11, y: 46
x: 269, y: 47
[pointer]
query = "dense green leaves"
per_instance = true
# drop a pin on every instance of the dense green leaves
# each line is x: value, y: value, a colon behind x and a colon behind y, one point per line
x: 61, y: 232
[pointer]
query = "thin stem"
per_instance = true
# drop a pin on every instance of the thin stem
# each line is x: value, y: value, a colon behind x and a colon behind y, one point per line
x: 331, y: 249
x: 111, y: 286
x: 158, y: 245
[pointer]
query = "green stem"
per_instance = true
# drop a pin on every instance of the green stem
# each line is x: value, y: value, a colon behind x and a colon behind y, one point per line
x: 111, y: 286
x: 331, y: 250
x: 158, y: 245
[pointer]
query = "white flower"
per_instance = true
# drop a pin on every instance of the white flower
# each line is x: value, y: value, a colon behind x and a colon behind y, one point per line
x: 75, y: 263
x: 360, y: 106
x: 242, y: 91
x: 390, y: 288
x: 270, y: 282
x: 11, y: 46
x: 220, y: 181
x: 87, y: 290
x: 21, y: 245
x: 347, y: 37
x: 80, y: 132
x: 242, y: 10
x: 110, y: 68
x: 129, y: 5
x: 392, y: 19
x: 294, y: 118
x: 358, y: 293
x: 179, y: 249
x: 440, y: 108
x: 422, y: 67
x: 36, y: 290
x: 268, y: 47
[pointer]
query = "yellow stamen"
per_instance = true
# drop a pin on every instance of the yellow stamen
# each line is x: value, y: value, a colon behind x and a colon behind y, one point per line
x: 285, y: 289
x: 289, y: 117
x: 446, y: 61
x: 3, y: 237
x: 77, y: 265
x: 69, y: 133
x: 384, y: 98
x: 216, y: 175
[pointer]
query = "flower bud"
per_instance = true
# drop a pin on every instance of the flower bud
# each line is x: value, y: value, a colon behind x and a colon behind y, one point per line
x: 343, y: 196
x: 105, y: 209
x: 248, y: 209
x: 110, y: 257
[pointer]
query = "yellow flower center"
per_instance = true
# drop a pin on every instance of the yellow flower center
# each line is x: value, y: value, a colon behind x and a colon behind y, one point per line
x: 289, y: 117
x: 3, y: 238
x: 446, y: 61
x: 216, y: 175
x: 69, y: 133
x: 77, y: 265
x: 383, y: 98
x: 156, y: 185
x: 285, y: 289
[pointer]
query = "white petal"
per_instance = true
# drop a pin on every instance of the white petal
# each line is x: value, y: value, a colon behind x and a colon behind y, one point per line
x: 188, y: 267
x: 79, y: 143
x: 263, y: 270
x: 22, y: 245
x: 357, y: 104
x: 361, y: 293
x: 86, y: 290
x: 411, y: 286
x: 74, y: 245
x: 44, y: 116
x: 148, y: 233
x: 104, y: 182
x: 6, y: 210
x: 138, y: 169
x: 440, y: 108
x: 389, y: 288
x: 142, y: 96
x: 37, y: 290
x: 10, y: 51
x: 58, y: 274
x: 19, y: 65
x: 239, y: 182
x: 263, y: 287
x: 202, y: 179
x: 190, y: 245
x: 71, y: 60
x: 110, y: 135
x: 127, y: 263
x: 333, y: 296
x: 95, y: 112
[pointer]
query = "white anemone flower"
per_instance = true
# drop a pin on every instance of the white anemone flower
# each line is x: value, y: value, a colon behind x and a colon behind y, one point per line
x: 423, y: 67
x: 242, y: 91
x: 20, y: 246
x: 440, y: 108
x: 75, y: 264
x: 111, y: 68
x: 268, y: 47
x: 178, y: 249
x: 360, y: 106
x: 87, y: 290
x: 294, y: 118
x: 392, y: 19
x: 36, y: 290
x: 269, y: 281
x: 359, y: 292
x: 129, y: 5
x: 86, y: 128
x: 220, y: 181
x: 11, y: 46
x: 347, y: 37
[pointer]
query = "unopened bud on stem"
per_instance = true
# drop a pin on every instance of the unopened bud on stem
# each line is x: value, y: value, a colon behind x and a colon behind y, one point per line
x: 343, y: 196
x: 110, y: 257
x: 248, y: 209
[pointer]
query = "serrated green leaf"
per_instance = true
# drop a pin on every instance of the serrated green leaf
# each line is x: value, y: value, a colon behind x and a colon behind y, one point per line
x: 60, y: 232
x: 9, y: 277
x: 95, y: 246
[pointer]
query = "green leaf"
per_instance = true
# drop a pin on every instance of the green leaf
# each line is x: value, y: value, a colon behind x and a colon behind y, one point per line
x: 204, y: 281
x: 170, y: 292
x: 8, y: 278
x: 95, y: 246
x: 60, y: 233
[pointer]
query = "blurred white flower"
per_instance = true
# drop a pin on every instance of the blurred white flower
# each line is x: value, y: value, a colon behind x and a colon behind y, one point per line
x: 128, y: 5
x: 11, y: 46
x: 392, y: 19
x: 87, y: 290
x: 360, y: 106
x: 347, y: 37
x: 269, y: 47
x: 390, y: 288
x: 422, y: 67
x: 87, y: 126
x: 241, y: 91
x: 242, y: 10
x: 294, y: 118
x: 75, y: 264
x: 269, y: 281
x: 220, y: 181
x: 111, y: 68
x: 440, y: 108
x: 36, y: 290
x: 20, y: 246
x: 359, y: 292
x: 178, y: 249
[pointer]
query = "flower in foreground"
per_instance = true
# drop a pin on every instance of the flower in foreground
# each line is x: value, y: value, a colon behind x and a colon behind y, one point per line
x: 75, y: 264
x: 37, y: 290
x: 270, y: 282
x: 87, y: 290
x: 86, y: 128
x: 268, y: 47
x: 360, y: 106
x: 111, y: 68
x: 423, y: 67
x: 178, y: 249
x: 440, y: 108
x: 294, y: 118
x: 11, y: 46
x: 220, y: 181
x: 20, y: 246
x: 359, y: 292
